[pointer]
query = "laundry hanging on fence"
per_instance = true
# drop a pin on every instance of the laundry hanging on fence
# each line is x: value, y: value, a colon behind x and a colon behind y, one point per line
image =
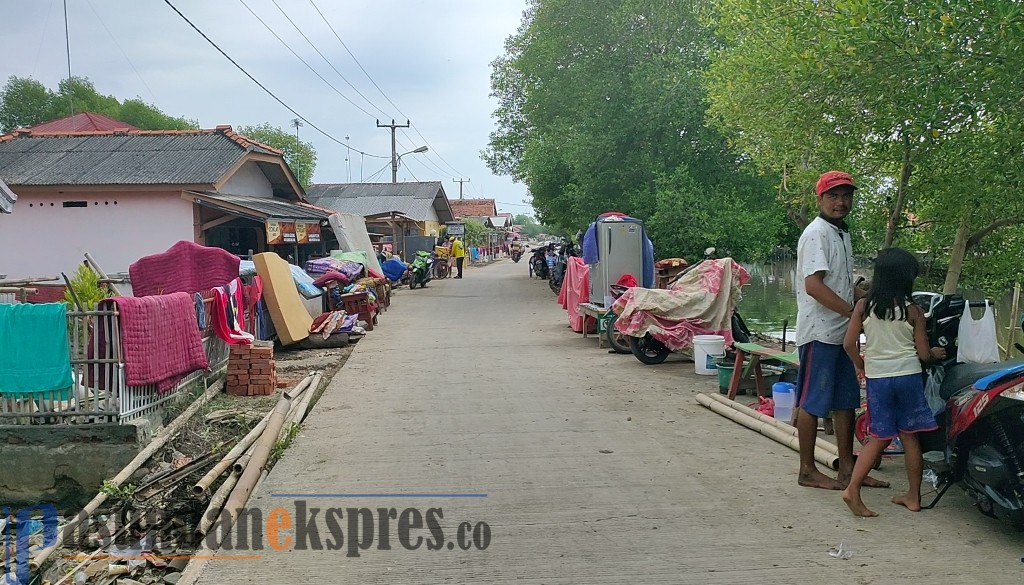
x: 184, y: 267
x: 34, y: 353
x: 228, y: 314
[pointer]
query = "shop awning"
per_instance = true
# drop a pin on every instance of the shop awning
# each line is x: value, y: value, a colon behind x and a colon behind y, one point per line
x: 258, y: 208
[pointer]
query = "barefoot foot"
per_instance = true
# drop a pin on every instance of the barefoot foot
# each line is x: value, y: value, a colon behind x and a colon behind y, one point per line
x: 857, y: 506
x: 844, y: 480
x: 912, y: 504
x: 817, y: 479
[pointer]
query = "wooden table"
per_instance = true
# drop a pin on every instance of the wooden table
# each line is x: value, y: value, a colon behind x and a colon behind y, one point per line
x: 601, y: 315
x: 756, y: 352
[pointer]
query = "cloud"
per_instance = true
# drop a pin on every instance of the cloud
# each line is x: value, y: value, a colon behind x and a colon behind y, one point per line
x: 431, y: 58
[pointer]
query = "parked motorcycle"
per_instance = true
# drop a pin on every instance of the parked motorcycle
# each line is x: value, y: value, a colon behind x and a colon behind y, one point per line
x: 566, y: 251
x: 420, y: 272
x: 539, y: 263
x: 980, y: 441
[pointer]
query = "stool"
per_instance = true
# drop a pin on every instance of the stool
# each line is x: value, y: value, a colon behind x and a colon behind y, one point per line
x: 359, y: 304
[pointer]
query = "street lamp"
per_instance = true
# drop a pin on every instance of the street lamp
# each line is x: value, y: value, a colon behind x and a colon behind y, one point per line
x: 398, y: 159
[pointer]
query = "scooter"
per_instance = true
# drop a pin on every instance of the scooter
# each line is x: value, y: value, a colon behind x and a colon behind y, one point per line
x: 567, y: 251
x: 980, y: 441
x: 420, y: 272
x: 517, y: 254
x: 539, y: 263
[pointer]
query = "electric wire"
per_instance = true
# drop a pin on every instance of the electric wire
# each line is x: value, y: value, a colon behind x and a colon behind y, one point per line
x: 368, y: 76
x: 123, y: 54
x: 304, y: 62
x: 264, y: 88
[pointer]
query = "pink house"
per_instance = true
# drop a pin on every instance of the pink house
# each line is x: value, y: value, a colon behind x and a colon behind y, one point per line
x: 124, y: 193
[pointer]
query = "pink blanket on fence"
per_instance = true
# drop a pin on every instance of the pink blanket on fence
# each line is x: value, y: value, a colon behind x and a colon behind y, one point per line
x: 160, y: 339
x: 575, y: 290
x: 185, y: 267
x: 699, y: 303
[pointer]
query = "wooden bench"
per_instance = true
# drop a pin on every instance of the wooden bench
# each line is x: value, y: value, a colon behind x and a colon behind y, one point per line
x: 756, y: 353
x: 600, y: 314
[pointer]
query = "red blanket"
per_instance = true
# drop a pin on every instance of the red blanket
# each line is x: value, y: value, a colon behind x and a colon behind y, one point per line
x: 160, y: 339
x: 576, y: 290
x: 185, y: 267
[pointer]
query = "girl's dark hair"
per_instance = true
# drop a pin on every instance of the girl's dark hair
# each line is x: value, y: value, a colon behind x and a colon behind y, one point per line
x: 892, y: 284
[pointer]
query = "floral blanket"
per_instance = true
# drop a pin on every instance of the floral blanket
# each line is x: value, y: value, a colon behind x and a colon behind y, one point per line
x: 699, y: 303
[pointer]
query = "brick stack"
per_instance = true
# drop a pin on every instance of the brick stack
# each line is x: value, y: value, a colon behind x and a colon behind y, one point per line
x: 251, y: 370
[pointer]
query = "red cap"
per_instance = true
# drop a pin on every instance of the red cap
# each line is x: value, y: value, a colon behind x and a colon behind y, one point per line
x: 833, y: 179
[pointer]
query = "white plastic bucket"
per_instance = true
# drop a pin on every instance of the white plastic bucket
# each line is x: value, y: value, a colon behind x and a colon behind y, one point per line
x: 707, y: 349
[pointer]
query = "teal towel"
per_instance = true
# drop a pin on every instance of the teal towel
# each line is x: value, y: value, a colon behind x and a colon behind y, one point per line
x: 34, y: 353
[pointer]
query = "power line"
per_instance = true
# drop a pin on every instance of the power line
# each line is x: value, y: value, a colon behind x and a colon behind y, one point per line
x: 264, y: 88
x: 299, y: 57
x: 368, y: 76
x: 125, y: 55
x: 331, y: 65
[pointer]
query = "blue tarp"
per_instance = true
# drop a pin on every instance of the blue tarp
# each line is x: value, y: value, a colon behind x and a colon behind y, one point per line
x: 393, y: 269
x: 590, y: 252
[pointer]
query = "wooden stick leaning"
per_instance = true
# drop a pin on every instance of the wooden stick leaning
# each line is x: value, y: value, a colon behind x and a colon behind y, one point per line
x: 314, y: 387
x: 789, y: 429
x: 159, y: 440
x: 827, y: 458
x: 217, y: 503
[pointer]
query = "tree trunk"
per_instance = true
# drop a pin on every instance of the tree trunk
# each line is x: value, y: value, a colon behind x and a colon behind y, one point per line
x: 901, y: 196
x: 956, y: 257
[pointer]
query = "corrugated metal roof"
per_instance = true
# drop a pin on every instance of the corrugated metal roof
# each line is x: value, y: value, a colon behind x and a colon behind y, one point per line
x: 177, y: 158
x: 80, y: 122
x: 415, y: 200
x: 272, y: 207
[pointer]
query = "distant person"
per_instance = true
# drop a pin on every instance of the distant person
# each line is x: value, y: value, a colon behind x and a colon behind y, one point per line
x: 897, y: 343
x: 459, y: 253
x: 826, y: 380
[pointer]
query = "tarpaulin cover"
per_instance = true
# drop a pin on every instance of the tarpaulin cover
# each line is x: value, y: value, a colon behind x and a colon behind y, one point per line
x: 699, y: 303
x: 575, y: 288
x: 350, y: 229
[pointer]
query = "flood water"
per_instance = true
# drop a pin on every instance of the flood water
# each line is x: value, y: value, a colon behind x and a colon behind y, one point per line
x: 769, y: 302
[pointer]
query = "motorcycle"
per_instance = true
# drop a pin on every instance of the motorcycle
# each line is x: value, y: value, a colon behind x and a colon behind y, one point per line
x: 517, y: 254
x: 420, y: 272
x: 568, y: 250
x: 539, y: 263
x: 980, y: 441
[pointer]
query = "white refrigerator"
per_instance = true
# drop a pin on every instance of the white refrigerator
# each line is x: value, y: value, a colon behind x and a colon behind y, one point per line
x: 620, y: 251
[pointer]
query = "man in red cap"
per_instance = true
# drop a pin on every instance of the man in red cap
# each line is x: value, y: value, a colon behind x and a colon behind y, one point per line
x: 826, y: 381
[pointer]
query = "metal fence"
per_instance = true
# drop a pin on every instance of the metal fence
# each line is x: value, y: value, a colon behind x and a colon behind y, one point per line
x: 99, y: 393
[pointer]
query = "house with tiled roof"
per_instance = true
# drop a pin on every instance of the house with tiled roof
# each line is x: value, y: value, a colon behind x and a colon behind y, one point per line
x: 126, y: 193
x: 81, y: 122
x: 474, y: 208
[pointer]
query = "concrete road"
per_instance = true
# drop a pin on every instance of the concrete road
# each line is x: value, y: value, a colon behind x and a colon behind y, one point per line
x: 473, y: 396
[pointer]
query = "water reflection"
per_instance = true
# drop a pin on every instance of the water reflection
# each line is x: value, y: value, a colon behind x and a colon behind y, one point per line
x: 769, y: 301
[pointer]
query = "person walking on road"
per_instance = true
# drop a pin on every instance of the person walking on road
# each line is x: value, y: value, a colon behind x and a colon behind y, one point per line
x: 896, y: 345
x: 825, y: 296
x: 459, y: 253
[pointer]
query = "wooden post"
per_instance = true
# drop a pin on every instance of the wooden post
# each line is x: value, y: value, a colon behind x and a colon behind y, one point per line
x: 1014, y: 307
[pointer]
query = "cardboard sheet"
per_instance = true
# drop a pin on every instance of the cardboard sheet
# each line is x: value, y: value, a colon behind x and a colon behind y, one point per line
x: 350, y: 230
x: 290, y: 317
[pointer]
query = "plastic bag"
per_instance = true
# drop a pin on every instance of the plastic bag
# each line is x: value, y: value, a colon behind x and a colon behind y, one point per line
x: 976, y: 342
x: 932, y: 387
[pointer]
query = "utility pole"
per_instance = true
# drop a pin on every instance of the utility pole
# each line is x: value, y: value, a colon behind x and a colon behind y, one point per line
x: 460, y: 182
x: 394, y: 151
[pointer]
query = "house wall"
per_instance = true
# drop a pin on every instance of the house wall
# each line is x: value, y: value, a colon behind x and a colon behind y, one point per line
x: 250, y: 181
x: 44, y: 238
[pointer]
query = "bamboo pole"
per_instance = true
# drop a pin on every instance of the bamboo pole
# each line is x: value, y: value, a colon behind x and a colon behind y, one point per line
x: 826, y: 458
x: 260, y: 455
x: 103, y: 275
x: 1014, y: 308
x: 159, y: 440
x: 204, y: 484
x: 788, y: 429
x: 314, y: 387
x: 216, y: 503
x: 300, y: 390
x: 243, y: 461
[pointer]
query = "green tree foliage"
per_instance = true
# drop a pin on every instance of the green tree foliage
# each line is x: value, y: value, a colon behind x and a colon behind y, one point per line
x: 26, y: 102
x: 531, y: 228
x: 602, y: 107
x: 300, y: 156
x: 476, y: 233
x: 920, y: 100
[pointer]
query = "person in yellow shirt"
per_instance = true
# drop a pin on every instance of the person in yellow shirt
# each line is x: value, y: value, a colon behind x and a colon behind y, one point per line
x: 459, y: 253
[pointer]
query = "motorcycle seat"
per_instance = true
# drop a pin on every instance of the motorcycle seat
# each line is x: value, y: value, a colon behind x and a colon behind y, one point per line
x: 961, y: 376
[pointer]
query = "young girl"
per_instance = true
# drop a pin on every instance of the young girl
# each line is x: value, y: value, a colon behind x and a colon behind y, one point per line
x: 896, y: 346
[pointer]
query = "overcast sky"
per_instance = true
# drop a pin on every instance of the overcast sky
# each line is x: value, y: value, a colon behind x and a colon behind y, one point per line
x: 430, y: 57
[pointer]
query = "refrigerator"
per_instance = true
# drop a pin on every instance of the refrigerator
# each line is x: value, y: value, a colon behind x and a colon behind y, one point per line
x: 620, y: 251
